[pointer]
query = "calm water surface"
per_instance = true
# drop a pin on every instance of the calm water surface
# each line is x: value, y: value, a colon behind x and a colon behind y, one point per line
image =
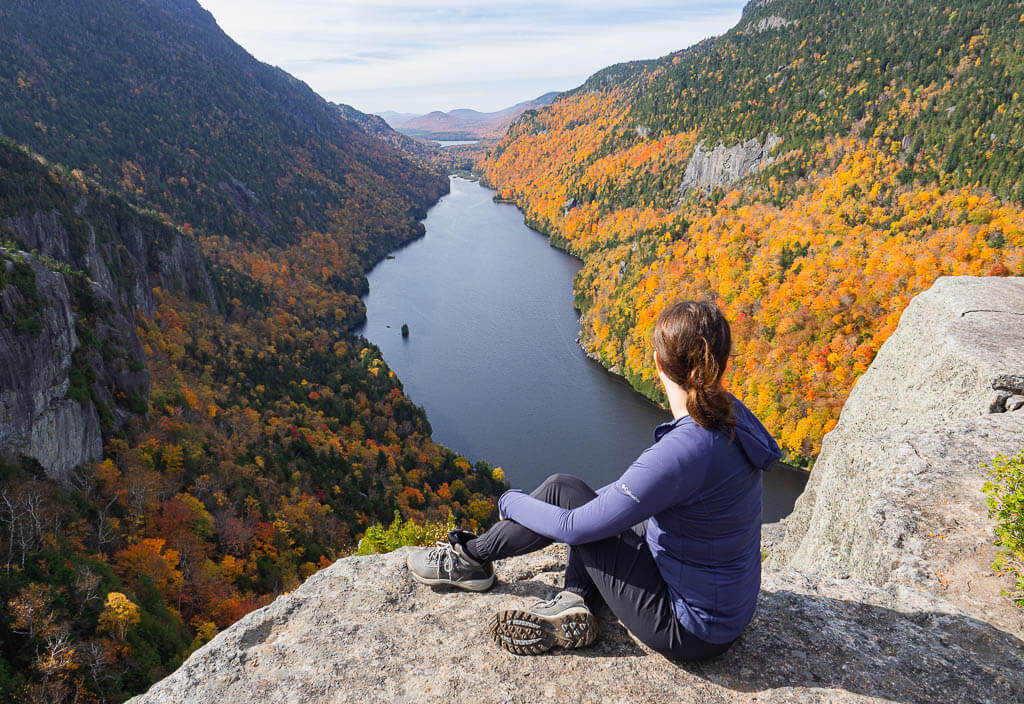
x: 492, y: 353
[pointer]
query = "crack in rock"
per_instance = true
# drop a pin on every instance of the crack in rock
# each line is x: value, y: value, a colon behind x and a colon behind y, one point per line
x: 989, y: 310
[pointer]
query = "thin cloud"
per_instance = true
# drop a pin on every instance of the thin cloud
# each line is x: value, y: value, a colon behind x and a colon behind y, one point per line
x: 415, y: 56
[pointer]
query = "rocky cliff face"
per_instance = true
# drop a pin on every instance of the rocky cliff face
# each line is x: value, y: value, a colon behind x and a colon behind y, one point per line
x: 36, y: 416
x: 724, y: 166
x: 895, y: 497
x: 766, y: 24
x: 130, y: 256
x: 71, y: 365
x: 877, y: 588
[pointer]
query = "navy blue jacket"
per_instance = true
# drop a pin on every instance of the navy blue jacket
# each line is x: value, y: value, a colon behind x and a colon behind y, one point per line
x: 701, y: 491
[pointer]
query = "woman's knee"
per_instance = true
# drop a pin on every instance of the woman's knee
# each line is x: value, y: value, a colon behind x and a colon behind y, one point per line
x: 563, y: 478
x: 564, y: 490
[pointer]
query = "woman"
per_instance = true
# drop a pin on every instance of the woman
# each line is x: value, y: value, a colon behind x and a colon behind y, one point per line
x: 672, y: 547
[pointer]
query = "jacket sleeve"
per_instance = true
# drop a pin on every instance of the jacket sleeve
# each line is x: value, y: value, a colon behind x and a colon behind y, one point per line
x: 664, y: 475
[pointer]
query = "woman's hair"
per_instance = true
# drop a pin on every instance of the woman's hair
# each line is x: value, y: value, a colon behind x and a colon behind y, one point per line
x: 693, y: 342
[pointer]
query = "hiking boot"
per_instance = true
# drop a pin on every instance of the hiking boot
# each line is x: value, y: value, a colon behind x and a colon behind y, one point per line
x: 448, y: 564
x: 564, y: 621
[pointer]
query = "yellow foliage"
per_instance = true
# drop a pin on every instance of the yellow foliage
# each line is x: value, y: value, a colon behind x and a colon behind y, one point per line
x: 118, y: 615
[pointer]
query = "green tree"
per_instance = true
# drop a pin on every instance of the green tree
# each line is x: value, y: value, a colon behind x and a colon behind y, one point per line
x: 1005, y: 492
x: 400, y: 533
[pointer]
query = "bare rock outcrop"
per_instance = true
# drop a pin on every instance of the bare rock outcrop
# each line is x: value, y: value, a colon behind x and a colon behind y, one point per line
x: 877, y: 589
x: 363, y: 630
x: 36, y: 417
x: 895, y: 495
x: 724, y: 166
x: 62, y: 388
x: 771, y: 22
x: 126, y: 261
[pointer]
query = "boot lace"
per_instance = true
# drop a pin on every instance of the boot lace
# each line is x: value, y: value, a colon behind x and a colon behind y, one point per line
x: 554, y: 600
x: 443, y: 553
x: 561, y: 601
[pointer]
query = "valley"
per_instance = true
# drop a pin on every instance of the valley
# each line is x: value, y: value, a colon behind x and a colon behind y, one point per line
x: 202, y: 289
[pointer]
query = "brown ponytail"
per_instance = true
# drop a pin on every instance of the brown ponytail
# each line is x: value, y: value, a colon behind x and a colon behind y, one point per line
x: 693, y: 342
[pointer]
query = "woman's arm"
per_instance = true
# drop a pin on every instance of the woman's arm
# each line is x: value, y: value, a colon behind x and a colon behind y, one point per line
x: 600, y: 491
x: 665, y: 474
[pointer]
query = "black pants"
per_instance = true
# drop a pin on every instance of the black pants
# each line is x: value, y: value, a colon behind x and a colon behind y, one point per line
x: 620, y: 570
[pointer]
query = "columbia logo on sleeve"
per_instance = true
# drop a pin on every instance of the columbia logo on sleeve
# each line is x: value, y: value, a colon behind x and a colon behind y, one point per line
x: 628, y: 493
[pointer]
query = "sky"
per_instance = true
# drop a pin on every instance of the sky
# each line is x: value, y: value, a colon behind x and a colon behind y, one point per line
x: 416, y: 56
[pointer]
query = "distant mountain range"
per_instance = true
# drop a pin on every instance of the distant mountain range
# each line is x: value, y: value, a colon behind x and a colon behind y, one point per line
x: 462, y: 123
x: 198, y: 130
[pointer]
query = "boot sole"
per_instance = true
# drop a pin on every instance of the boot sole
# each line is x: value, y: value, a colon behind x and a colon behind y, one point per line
x: 525, y: 633
x: 471, y: 585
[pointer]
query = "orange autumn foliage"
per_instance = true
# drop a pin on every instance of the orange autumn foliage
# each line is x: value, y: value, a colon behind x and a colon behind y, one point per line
x: 813, y: 265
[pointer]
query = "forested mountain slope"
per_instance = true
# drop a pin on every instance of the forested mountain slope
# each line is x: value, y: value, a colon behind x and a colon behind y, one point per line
x: 154, y: 99
x: 811, y: 170
x: 422, y: 151
x: 72, y: 369
x: 180, y: 272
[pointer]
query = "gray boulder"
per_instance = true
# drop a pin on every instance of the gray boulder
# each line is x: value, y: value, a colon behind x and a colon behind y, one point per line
x: 363, y: 631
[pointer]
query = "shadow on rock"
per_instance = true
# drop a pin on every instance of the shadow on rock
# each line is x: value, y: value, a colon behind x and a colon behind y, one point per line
x: 613, y: 640
x: 812, y: 641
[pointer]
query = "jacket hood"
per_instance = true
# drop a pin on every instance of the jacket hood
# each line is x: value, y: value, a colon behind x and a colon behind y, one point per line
x: 755, y: 440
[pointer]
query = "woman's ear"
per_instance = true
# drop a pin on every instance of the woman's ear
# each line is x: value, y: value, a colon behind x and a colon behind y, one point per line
x: 657, y: 363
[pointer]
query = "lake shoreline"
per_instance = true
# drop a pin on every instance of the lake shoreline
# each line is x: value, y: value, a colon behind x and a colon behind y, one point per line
x: 494, y: 354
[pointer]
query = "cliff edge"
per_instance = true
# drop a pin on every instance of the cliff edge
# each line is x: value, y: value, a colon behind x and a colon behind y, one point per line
x: 877, y: 588
x: 895, y: 497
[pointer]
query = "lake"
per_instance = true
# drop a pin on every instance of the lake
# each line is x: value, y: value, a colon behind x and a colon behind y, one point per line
x: 492, y: 353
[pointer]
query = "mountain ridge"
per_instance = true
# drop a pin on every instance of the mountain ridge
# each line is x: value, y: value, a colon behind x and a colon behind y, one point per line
x: 463, y: 123
x: 129, y: 116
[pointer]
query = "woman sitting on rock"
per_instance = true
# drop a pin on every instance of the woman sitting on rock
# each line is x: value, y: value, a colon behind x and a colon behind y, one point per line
x: 672, y: 547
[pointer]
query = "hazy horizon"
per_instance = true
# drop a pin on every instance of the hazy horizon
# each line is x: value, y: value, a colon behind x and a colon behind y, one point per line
x: 411, y: 56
